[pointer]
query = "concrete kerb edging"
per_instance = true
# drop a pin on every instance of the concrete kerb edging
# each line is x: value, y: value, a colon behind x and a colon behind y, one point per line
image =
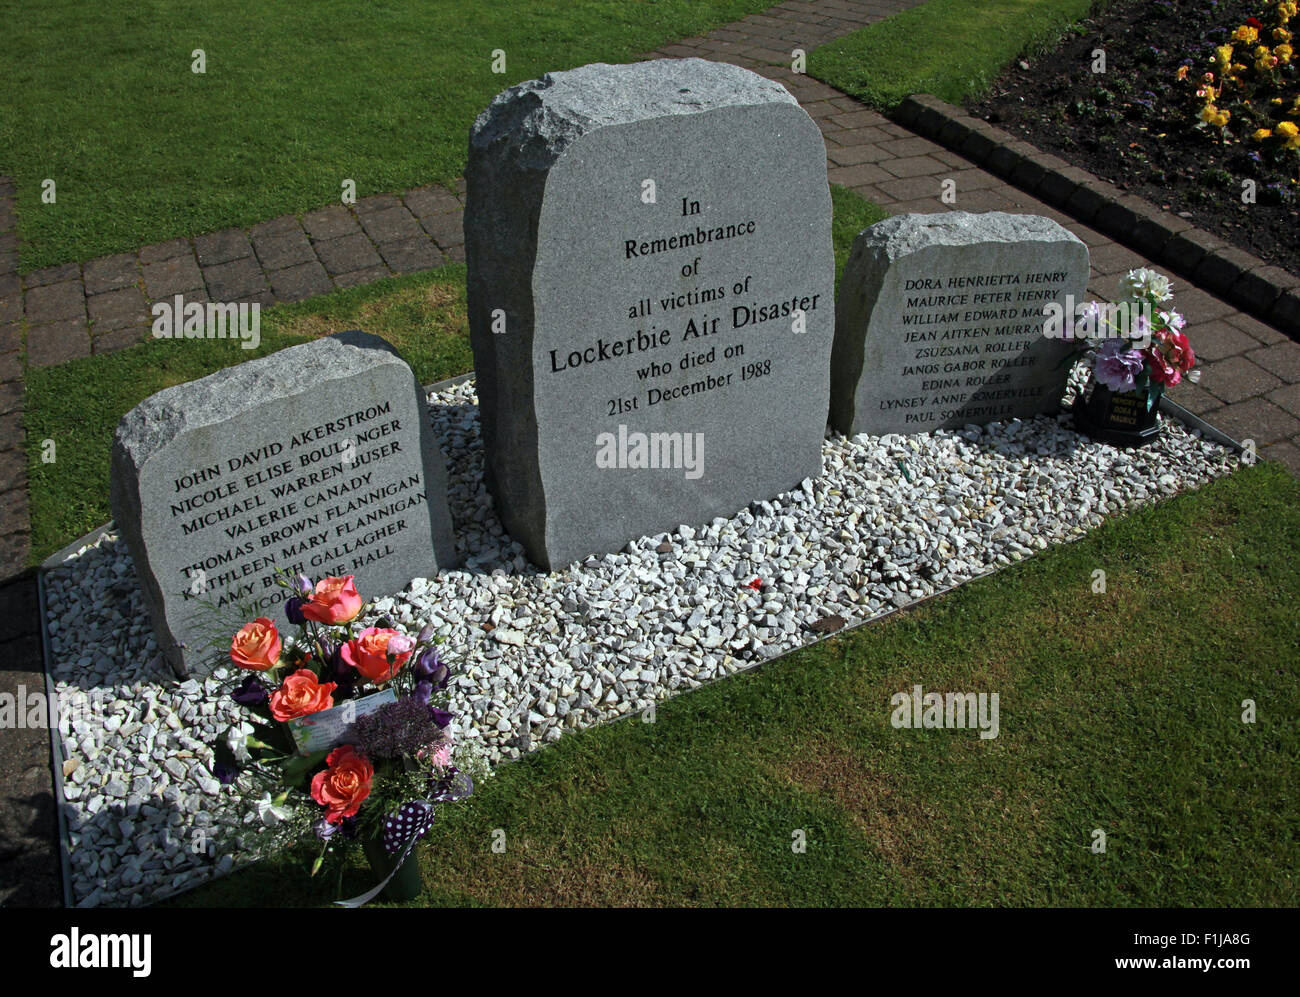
x: 1264, y: 291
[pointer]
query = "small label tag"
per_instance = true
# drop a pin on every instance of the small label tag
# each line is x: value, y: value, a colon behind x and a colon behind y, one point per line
x: 322, y: 731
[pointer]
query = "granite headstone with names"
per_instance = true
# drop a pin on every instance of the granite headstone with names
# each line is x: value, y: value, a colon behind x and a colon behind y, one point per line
x: 939, y: 321
x: 650, y: 288
x: 318, y: 459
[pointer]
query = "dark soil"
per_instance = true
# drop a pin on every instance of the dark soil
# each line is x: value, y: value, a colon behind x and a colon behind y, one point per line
x: 1133, y: 124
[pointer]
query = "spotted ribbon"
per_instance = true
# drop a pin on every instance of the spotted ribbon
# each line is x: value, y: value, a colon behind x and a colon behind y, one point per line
x: 404, y: 829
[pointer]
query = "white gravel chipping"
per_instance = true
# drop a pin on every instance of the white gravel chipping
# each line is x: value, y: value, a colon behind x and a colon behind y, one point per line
x: 891, y: 520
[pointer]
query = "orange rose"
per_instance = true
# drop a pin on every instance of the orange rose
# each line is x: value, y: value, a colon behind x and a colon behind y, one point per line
x: 256, y: 646
x: 344, y: 786
x: 367, y: 652
x: 335, y: 600
x: 300, y: 694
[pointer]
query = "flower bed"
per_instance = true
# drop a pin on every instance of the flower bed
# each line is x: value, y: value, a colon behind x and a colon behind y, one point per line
x: 1155, y: 126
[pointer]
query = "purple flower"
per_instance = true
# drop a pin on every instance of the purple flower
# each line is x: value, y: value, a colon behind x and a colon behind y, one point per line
x: 250, y: 692
x: 405, y: 727
x: 303, y: 586
x: 347, y: 828
x: 293, y: 611
x: 430, y: 666
x: 1117, y: 365
x: 440, y: 717
x: 226, y: 774
x: 425, y: 635
x: 423, y: 692
x: 345, y: 675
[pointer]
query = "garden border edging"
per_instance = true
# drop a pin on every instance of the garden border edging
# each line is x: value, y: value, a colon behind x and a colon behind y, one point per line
x: 1261, y: 289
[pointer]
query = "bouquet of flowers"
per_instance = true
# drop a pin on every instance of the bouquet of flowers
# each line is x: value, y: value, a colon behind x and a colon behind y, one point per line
x: 347, y: 737
x: 1137, y: 345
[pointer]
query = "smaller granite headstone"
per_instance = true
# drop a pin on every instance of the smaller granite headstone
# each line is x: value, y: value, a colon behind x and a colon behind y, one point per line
x: 939, y: 321
x: 318, y: 460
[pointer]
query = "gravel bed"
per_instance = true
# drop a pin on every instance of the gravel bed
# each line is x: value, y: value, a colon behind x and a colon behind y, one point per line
x: 892, y: 520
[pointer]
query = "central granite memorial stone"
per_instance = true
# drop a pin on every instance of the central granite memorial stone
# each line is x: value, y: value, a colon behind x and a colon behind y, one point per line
x: 940, y: 320
x: 650, y: 299
x: 318, y: 460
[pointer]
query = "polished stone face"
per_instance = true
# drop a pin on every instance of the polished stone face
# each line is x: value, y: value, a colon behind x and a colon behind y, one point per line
x: 940, y: 318
x: 318, y: 459
x: 651, y: 284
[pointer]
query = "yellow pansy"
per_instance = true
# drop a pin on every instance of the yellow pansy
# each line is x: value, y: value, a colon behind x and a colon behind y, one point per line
x: 1281, y: 35
x: 1283, y: 53
x: 1262, y: 134
x: 1246, y: 34
x: 1212, y: 115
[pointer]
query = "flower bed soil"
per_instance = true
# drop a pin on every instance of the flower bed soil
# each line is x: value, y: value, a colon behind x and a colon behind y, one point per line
x: 1130, y: 124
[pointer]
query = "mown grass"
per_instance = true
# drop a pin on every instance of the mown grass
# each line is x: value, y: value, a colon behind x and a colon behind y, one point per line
x: 952, y: 49
x: 296, y: 98
x: 78, y: 404
x: 1120, y: 711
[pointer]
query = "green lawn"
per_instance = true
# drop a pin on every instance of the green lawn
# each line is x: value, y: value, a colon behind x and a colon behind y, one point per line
x: 952, y: 49
x: 1119, y: 711
x: 296, y: 98
x: 78, y: 404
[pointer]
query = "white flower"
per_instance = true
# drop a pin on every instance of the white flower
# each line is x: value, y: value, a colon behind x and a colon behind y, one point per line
x: 1173, y: 320
x: 237, y: 741
x: 270, y: 813
x: 1144, y: 283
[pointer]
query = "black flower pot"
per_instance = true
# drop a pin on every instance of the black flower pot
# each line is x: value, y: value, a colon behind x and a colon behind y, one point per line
x: 406, y: 883
x: 1122, y: 419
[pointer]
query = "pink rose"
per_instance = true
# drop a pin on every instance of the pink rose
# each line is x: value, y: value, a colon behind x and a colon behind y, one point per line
x: 1162, y: 372
x: 256, y: 646
x: 344, y: 785
x: 300, y: 695
x: 368, y: 653
x: 335, y: 600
